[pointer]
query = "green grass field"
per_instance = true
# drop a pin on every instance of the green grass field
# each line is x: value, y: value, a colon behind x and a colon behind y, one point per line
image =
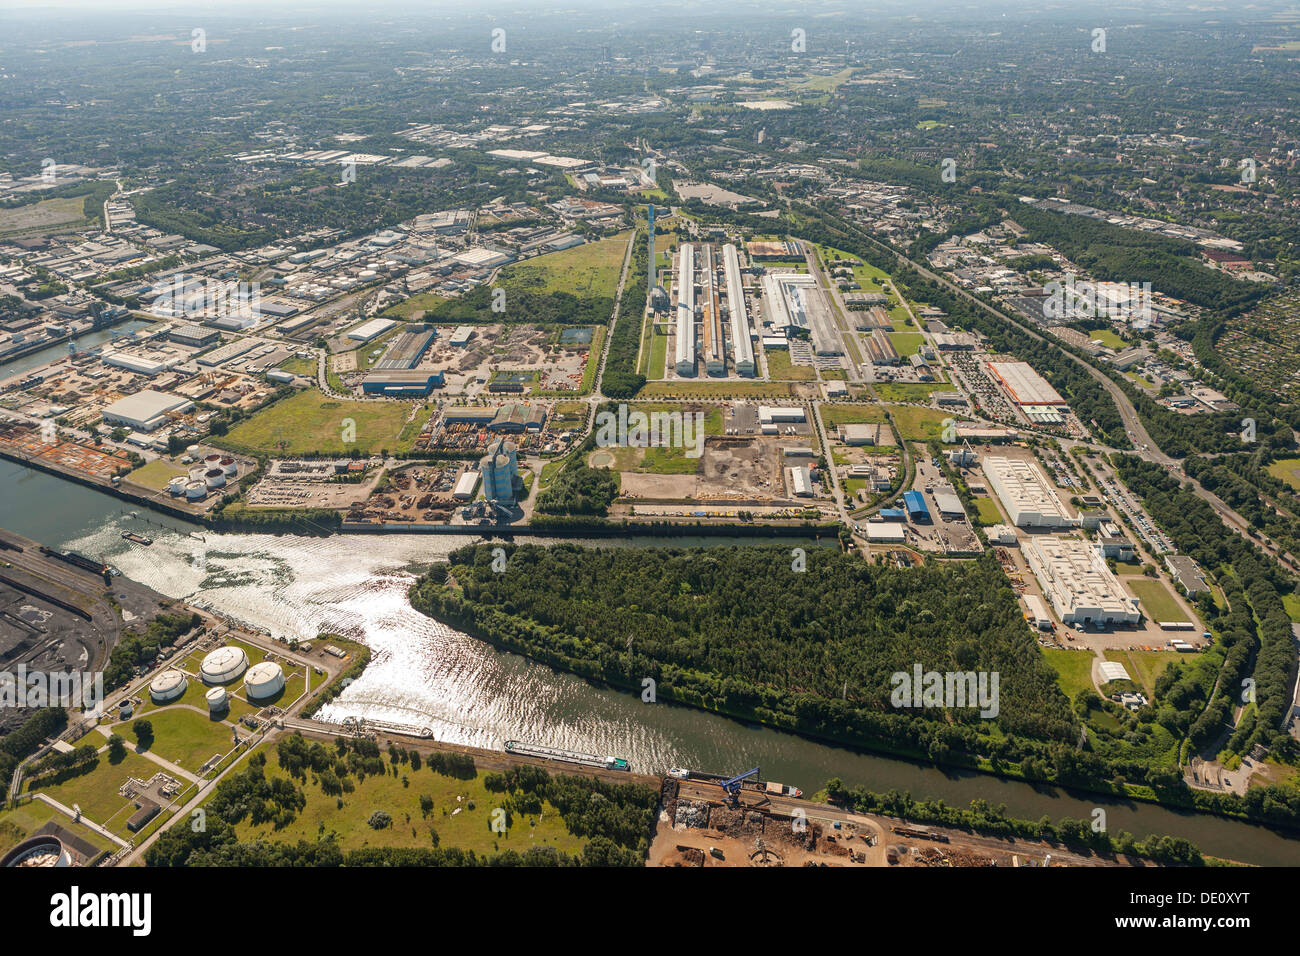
x: 833, y: 415
x: 1108, y: 338
x: 1157, y: 603
x: 781, y: 369
x: 907, y: 344
x: 658, y: 355
x: 1073, y: 669
x: 909, y: 392
x: 185, y: 737
x: 591, y: 269
x: 24, y: 820
x: 156, y: 474
x: 310, y: 421
x: 1288, y: 470
x: 451, y: 818
x: 1144, y: 666
x: 96, y: 792
x: 300, y: 366
x: 46, y: 215
x: 987, y: 511
x: 919, y: 424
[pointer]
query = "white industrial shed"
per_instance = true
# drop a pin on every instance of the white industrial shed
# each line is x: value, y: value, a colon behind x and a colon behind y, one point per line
x: 145, y: 411
x: 1025, y: 493
x: 1077, y: 582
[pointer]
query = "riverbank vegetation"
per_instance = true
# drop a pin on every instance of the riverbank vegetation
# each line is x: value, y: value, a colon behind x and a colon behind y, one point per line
x: 740, y: 633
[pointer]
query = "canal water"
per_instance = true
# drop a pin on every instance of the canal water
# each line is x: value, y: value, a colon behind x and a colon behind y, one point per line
x: 55, y: 352
x: 425, y: 674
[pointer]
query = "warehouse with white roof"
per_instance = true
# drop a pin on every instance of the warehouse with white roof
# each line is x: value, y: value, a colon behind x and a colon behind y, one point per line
x: 1077, y: 582
x: 145, y: 410
x: 1025, y: 494
x: 371, y: 330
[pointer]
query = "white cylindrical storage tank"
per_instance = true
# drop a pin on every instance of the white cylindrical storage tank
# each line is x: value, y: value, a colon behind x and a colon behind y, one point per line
x: 177, y: 485
x: 192, y: 451
x: 224, y: 665
x: 230, y: 467
x: 195, y: 490
x: 263, y: 680
x: 212, y: 461
x: 168, y: 686
x: 196, y: 474
x: 215, y: 478
x: 217, y: 700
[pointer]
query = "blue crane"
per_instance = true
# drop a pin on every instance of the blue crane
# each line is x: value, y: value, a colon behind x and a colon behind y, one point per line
x: 732, y: 787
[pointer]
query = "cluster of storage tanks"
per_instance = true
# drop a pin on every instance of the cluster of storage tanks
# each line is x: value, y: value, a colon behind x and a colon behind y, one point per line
x: 209, y: 475
x: 227, y: 664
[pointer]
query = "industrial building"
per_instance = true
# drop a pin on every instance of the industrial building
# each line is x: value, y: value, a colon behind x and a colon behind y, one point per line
x: 1024, y: 385
x: 885, y: 532
x: 880, y: 349
x: 481, y: 258
x: 915, y: 505
x: 715, y: 362
x: 468, y: 415
x: 402, y: 383
x: 860, y: 434
x: 371, y: 330
x: 794, y: 304
x: 781, y: 414
x: 145, y: 411
x: 513, y: 419
x: 1185, y: 571
x: 195, y: 336
x: 685, y: 363
x: 801, y: 482
x: 1037, y: 612
x: 949, y: 505
x: 1077, y: 583
x: 407, y: 348
x: 466, y: 486
x: 742, y: 347
x: 1025, y: 494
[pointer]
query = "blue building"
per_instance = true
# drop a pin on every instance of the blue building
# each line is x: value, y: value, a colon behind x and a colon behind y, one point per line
x: 893, y: 514
x: 915, y: 505
x: 401, y: 383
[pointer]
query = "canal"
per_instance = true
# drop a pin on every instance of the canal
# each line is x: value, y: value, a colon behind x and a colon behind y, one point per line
x: 425, y: 674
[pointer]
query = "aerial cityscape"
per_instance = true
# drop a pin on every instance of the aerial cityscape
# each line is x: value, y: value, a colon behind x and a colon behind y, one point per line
x: 844, y: 434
